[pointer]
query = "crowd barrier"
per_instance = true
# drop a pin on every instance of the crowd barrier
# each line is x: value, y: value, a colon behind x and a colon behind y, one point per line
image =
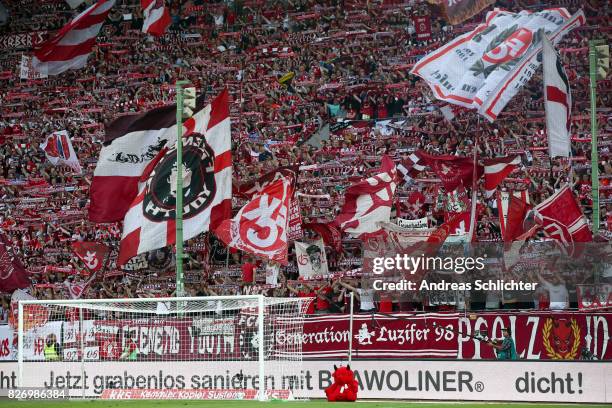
x: 529, y: 381
x: 538, y: 335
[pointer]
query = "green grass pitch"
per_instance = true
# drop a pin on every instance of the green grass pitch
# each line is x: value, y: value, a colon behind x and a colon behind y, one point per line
x: 278, y: 404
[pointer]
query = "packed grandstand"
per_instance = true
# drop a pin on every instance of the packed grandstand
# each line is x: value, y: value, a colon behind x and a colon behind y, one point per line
x: 321, y: 85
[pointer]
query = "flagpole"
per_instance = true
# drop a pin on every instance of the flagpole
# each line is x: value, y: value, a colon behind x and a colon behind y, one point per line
x: 180, y: 288
x: 472, y: 229
x: 594, y: 156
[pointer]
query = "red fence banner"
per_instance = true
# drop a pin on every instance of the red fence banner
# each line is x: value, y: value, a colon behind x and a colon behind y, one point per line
x: 538, y: 335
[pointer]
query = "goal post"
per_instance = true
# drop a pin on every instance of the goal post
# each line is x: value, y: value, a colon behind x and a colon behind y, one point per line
x: 214, y: 347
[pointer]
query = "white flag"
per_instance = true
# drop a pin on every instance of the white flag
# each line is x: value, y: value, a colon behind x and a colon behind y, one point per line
x: 70, y: 46
x: 557, y: 102
x: 59, y: 151
x: 272, y: 272
x: 485, y: 68
x: 311, y: 258
x: 27, y: 71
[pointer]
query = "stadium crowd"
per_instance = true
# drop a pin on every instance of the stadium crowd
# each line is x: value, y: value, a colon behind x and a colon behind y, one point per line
x: 348, y: 60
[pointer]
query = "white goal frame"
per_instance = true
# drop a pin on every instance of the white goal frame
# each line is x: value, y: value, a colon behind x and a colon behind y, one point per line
x: 81, y: 304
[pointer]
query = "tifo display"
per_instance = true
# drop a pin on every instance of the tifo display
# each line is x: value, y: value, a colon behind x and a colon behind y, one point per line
x: 294, y: 199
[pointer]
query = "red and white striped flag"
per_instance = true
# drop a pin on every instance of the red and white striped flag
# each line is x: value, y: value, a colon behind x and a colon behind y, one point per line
x: 156, y: 17
x: 368, y: 202
x: 410, y: 167
x: 131, y: 145
x: 207, y: 187
x: 503, y: 205
x: 557, y: 102
x: 71, y: 45
x: 496, y: 170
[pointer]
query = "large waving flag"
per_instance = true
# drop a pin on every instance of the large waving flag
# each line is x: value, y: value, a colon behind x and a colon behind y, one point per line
x: 207, y: 186
x: 485, y: 68
x: 156, y: 17
x: 92, y: 254
x: 557, y: 102
x: 453, y: 171
x: 496, y: 170
x: 504, y: 201
x: 70, y: 47
x: 132, y: 143
x: 260, y: 227
x: 368, y: 202
x: 562, y: 219
x: 13, y: 275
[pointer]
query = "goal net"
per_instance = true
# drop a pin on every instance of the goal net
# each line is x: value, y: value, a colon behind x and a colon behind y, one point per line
x: 163, y: 348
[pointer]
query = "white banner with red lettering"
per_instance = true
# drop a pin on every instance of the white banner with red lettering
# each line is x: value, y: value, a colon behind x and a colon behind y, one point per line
x: 33, y: 343
x: 485, y: 68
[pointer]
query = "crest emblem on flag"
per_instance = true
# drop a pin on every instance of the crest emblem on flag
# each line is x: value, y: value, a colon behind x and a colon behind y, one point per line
x: 207, y: 185
x: 484, y: 69
x: 511, y: 47
x: 57, y: 146
x: 199, y: 186
x: 92, y: 254
x: 59, y: 151
x: 269, y: 213
x: 260, y: 227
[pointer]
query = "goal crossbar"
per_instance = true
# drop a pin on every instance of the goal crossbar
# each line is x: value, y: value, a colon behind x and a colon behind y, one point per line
x: 213, y: 312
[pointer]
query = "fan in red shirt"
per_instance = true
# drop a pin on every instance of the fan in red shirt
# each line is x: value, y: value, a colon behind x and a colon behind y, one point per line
x: 323, y: 296
x: 305, y: 292
x: 248, y: 271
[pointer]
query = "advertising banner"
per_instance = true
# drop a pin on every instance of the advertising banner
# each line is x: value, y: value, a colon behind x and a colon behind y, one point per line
x: 530, y: 381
